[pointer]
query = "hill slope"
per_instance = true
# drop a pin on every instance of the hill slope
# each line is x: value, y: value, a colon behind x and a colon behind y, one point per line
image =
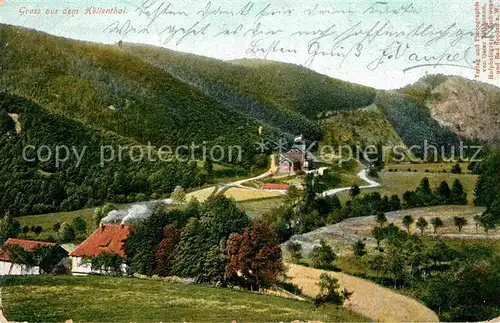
x: 469, y: 108
x: 361, y: 127
x: 264, y: 89
x: 41, y: 185
x: 91, y: 299
x: 104, y: 87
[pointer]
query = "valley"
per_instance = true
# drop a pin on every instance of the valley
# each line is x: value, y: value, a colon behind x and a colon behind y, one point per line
x: 281, y: 233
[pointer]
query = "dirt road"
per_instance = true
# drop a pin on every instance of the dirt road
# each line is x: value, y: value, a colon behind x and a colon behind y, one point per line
x: 373, y: 301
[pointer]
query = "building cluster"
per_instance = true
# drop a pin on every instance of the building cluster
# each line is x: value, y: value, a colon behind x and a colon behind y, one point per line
x: 106, y: 239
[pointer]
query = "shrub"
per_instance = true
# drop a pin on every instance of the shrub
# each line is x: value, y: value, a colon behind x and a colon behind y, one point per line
x: 322, y: 256
x: 328, y: 291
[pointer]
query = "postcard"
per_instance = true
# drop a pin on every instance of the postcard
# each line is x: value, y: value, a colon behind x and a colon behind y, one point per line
x: 249, y: 160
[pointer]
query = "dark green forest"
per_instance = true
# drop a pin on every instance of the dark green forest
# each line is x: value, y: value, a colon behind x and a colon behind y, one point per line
x: 42, y: 187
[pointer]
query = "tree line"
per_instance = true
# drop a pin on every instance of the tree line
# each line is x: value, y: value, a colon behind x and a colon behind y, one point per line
x: 212, y: 242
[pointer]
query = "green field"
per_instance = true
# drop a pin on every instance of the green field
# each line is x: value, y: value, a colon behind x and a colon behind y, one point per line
x: 431, y: 167
x: 94, y: 298
x: 46, y: 221
x: 400, y: 182
x: 255, y: 208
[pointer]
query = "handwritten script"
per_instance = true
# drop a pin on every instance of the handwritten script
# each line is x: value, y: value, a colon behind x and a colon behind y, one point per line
x: 372, y: 34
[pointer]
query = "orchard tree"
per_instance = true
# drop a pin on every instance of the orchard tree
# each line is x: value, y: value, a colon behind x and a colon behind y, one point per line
x: 407, y: 222
x: 422, y: 224
x: 295, y: 250
x: 437, y: 223
x: 395, y: 203
x: 459, y: 222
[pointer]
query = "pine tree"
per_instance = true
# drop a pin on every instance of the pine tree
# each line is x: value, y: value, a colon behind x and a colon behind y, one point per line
x: 458, y: 195
x: 444, y: 191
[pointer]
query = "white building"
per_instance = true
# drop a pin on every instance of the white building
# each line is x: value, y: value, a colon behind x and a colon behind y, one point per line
x: 7, y: 267
x: 106, y: 239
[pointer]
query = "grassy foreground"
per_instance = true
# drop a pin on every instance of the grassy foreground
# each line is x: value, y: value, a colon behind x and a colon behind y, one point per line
x: 106, y: 299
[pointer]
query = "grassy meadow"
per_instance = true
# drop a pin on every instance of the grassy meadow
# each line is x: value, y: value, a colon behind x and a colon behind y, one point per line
x: 400, y: 182
x: 87, y: 299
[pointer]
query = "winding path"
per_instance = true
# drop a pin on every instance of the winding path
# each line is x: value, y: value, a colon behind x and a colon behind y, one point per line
x: 363, y: 174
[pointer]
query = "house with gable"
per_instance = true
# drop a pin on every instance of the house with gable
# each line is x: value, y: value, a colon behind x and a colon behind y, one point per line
x: 9, y: 265
x: 106, y: 239
x: 297, y: 158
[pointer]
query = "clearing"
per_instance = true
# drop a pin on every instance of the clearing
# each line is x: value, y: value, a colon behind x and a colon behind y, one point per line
x: 400, y: 182
x: 244, y: 194
x: 341, y: 236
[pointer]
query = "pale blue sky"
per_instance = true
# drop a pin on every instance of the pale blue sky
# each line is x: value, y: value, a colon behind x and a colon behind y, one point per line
x: 347, y: 52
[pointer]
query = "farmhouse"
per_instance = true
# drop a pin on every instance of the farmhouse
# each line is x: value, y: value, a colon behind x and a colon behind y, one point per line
x: 106, y: 239
x: 7, y: 265
x: 297, y: 158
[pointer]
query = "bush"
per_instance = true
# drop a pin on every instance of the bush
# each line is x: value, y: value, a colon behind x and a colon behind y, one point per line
x: 328, y: 291
x: 322, y: 256
x: 295, y: 250
x: 359, y: 248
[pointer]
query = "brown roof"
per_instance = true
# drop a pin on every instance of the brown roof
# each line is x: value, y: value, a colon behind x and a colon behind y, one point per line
x: 271, y: 186
x: 107, y: 238
x: 28, y: 245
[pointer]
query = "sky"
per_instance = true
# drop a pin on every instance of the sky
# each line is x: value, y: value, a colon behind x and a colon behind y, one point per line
x: 383, y: 44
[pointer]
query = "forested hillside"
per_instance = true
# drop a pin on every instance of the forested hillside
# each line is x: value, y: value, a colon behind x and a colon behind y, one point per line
x: 31, y: 187
x: 84, y: 94
x: 104, y: 87
x: 267, y: 89
x: 361, y: 127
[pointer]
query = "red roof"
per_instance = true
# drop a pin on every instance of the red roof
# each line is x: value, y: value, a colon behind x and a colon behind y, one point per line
x: 107, y: 238
x: 28, y: 245
x: 280, y: 187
